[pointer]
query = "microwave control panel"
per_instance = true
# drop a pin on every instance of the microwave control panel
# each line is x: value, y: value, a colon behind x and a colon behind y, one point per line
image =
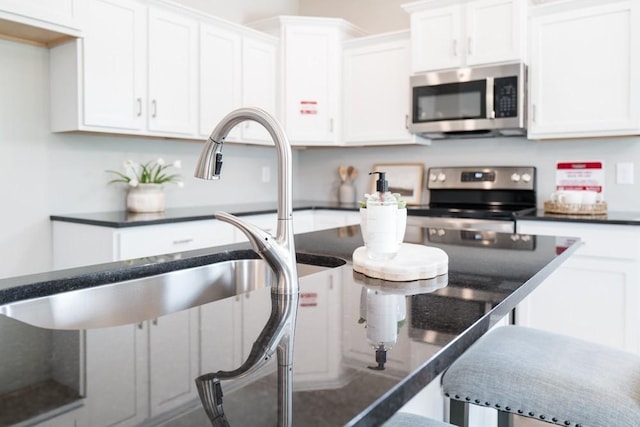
x: 505, y: 97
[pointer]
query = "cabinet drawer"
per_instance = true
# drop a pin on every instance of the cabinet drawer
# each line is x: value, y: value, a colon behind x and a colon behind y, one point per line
x: 600, y: 240
x: 169, y: 238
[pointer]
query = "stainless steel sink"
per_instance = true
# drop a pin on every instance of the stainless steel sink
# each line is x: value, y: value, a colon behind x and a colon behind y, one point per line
x: 147, y: 298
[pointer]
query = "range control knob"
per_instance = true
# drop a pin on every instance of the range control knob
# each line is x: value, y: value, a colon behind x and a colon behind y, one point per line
x: 433, y: 177
x: 526, y: 177
x: 515, y: 177
x: 442, y: 177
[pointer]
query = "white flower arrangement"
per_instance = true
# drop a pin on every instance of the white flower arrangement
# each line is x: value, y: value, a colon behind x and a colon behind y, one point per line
x: 152, y: 172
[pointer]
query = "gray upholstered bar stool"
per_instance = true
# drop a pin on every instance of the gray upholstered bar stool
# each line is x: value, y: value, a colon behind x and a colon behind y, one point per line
x: 550, y: 377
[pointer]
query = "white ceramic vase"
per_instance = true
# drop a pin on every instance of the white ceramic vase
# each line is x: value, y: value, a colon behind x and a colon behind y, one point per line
x: 146, y: 198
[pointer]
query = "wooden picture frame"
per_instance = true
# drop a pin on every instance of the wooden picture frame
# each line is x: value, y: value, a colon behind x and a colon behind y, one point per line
x: 404, y: 178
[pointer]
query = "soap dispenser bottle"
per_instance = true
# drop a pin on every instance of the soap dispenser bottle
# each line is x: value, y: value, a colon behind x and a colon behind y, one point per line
x: 382, y: 217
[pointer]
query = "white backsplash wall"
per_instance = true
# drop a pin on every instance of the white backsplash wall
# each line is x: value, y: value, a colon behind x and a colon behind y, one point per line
x: 319, y: 168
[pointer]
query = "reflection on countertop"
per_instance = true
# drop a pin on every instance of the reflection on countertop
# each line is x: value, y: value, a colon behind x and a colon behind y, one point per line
x: 333, y: 348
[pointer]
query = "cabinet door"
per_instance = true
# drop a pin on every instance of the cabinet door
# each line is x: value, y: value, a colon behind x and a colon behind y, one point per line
x: 589, y: 298
x: 259, y: 84
x: 311, y: 70
x: 114, y: 65
x: 323, y: 220
x: 594, y: 295
x: 436, y: 38
x: 116, y: 375
x: 220, y: 76
x: 173, y: 360
x: 582, y: 72
x: 493, y: 31
x: 220, y: 335
x: 316, y: 361
x: 172, y: 72
x: 375, y: 93
x: 137, y: 242
x: 43, y: 13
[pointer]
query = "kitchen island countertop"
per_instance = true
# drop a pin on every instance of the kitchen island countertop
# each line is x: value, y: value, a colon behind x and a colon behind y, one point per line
x: 497, y: 278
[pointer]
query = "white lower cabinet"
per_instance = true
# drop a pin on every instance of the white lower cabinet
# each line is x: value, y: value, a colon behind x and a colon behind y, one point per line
x: 141, y: 371
x: 134, y: 372
x: 230, y: 327
x: 303, y: 221
x: 325, y: 219
x: 595, y: 294
x: 81, y: 244
x: 318, y: 351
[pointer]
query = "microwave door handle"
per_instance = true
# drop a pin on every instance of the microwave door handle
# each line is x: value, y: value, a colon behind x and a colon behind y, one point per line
x: 491, y: 113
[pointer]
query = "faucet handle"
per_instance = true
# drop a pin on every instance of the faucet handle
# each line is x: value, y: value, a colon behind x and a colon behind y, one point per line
x: 259, y: 239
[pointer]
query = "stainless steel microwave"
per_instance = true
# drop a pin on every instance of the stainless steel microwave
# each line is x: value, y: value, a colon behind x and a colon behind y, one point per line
x: 470, y: 102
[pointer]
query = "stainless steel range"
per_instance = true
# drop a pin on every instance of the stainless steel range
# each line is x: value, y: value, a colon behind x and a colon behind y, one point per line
x: 477, y: 198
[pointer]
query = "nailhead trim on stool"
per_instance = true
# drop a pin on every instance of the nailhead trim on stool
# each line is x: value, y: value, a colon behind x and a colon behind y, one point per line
x: 551, y: 377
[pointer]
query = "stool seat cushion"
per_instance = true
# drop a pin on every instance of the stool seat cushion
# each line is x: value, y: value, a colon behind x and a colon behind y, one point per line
x: 551, y: 377
x: 405, y: 419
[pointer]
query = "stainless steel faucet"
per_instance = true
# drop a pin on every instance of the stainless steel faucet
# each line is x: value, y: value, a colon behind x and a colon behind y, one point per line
x: 279, y: 253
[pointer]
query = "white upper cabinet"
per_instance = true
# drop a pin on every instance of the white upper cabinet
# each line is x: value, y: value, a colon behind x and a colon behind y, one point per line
x: 237, y: 68
x: 172, y: 77
x: 43, y: 22
x: 310, y: 76
x: 113, y: 68
x: 583, y: 70
x: 376, y: 96
x: 259, y: 83
x: 220, y: 75
x: 140, y: 79
x: 466, y: 32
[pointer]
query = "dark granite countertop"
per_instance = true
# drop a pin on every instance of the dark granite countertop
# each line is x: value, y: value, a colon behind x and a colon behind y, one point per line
x: 119, y: 219
x: 611, y: 218
x: 483, y: 285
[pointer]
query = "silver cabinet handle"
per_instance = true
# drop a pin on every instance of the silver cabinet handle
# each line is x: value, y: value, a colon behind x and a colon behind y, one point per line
x: 406, y: 121
x: 139, y: 101
x: 155, y: 322
x: 331, y: 125
x: 455, y: 47
x: 469, y: 44
x: 140, y: 325
x: 154, y: 104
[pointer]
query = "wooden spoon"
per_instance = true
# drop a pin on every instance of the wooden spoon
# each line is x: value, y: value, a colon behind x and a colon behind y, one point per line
x: 352, y: 173
x: 342, y: 171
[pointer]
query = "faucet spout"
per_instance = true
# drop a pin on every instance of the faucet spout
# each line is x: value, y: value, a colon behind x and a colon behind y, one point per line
x: 279, y: 253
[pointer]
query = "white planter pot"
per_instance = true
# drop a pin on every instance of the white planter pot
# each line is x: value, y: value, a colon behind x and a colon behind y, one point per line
x: 146, y: 198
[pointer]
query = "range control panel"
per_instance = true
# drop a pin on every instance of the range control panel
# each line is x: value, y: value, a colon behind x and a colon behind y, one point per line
x: 482, y: 177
